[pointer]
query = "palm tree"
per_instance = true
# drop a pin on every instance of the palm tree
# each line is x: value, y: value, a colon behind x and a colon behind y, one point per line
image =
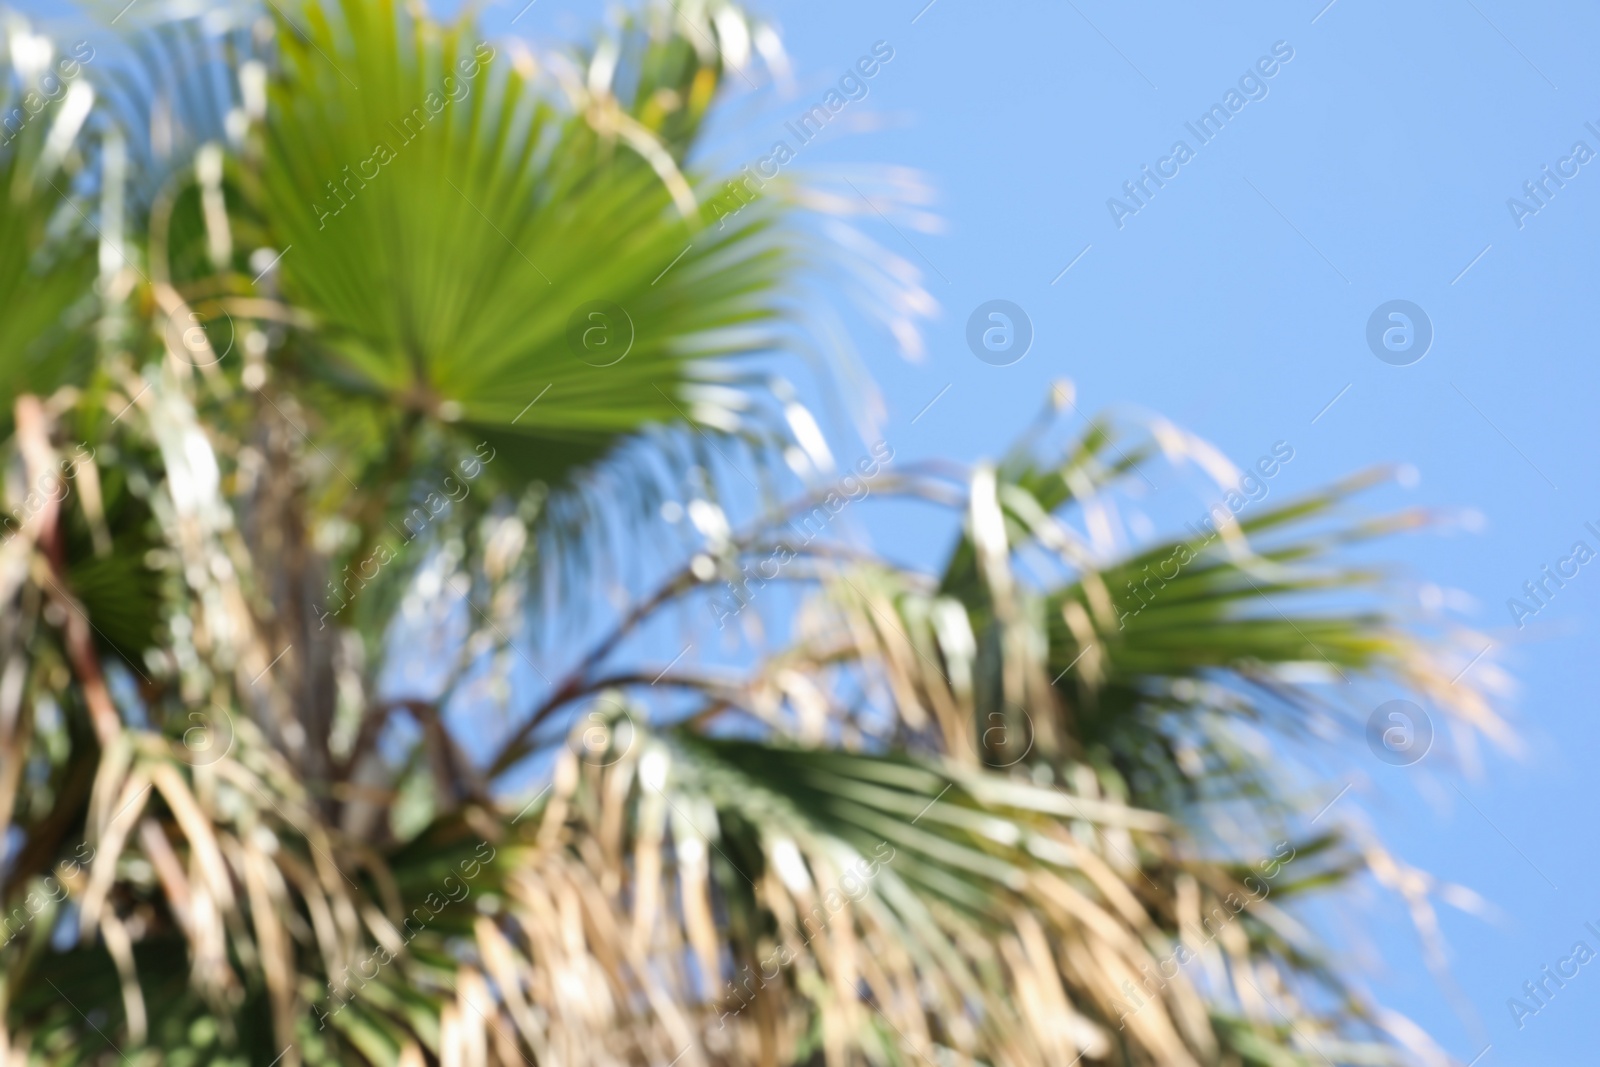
x: 349, y: 361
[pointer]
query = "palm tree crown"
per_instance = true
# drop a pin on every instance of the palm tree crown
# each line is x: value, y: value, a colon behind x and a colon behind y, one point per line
x: 350, y: 360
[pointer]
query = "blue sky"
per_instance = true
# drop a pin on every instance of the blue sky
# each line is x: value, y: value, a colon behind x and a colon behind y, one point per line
x: 1374, y: 165
x: 1377, y: 167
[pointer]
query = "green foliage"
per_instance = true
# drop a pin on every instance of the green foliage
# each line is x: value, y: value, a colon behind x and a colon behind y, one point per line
x: 47, y: 264
x: 291, y: 463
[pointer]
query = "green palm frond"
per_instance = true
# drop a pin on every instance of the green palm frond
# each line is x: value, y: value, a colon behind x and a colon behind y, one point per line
x: 451, y: 228
x: 46, y: 252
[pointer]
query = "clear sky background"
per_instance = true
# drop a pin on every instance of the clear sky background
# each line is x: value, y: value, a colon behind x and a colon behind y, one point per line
x: 1377, y: 167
